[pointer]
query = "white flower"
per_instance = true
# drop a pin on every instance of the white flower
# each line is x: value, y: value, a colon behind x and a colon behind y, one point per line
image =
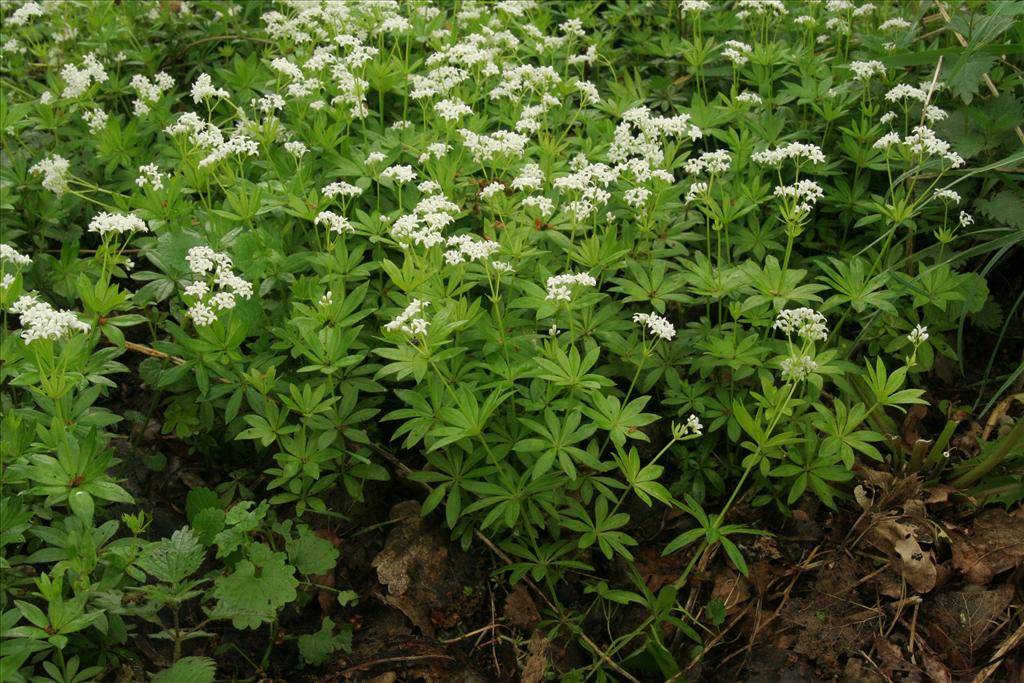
x: 203, y: 89
x: 222, y: 301
x: 9, y: 253
x: 399, y: 173
x: 342, y: 188
x: 95, y: 118
x: 502, y: 267
x: 948, y: 195
x: 543, y: 204
x: 695, y: 191
x: 337, y: 224
x: 429, y: 187
x: 904, y: 91
x: 486, y: 147
x: 375, y: 158
x: 55, y: 173
x: 198, y: 289
x: 105, y: 223
x: 559, y: 285
x: 966, y: 219
x: 863, y: 71
x: 894, y: 24
x: 713, y: 162
x: 79, y: 80
x: 804, y: 322
x: 797, y: 368
x: 693, y: 425
x: 407, y: 322
x: 295, y: 148
x: 201, y: 314
x: 656, y: 324
x: 749, y: 97
x: 452, y: 110
x: 150, y: 175
x: 918, y: 335
x: 794, y: 150
x: 530, y: 177
x: 40, y: 320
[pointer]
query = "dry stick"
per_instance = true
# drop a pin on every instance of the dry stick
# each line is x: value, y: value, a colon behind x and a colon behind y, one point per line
x: 963, y: 43
x: 393, y: 660
x: 508, y: 560
x: 1008, y: 645
x: 150, y: 351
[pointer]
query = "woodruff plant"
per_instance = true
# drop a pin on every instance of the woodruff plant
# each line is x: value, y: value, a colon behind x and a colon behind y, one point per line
x: 483, y: 242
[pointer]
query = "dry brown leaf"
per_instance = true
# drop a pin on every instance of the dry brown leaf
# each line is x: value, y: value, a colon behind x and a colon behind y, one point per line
x: 993, y: 545
x: 899, y: 542
x: 537, y: 659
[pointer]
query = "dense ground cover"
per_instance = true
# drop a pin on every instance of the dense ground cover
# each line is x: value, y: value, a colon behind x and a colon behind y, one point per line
x: 466, y: 341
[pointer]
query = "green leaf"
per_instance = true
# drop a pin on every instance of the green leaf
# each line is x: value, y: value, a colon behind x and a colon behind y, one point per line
x: 173, y: 559
x: 188, y: 670
x: 311, y: 554
x: 315, y: 648
x: 259, y: 587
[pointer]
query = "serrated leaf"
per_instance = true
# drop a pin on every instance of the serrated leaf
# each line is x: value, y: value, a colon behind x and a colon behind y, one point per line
x: 315, y: 648
x: 173, y: 559
x: 311, y: 554
x: 188, y: 670
x: 259, y: 587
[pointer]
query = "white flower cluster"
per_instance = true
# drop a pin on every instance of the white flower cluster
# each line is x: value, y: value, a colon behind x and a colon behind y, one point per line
x: 948, y: 195
x: 40, y: 320
x: 434, y: 150
x: 922, y: 142
x: 209, y: 138
x: 918, y: 335
x: 468, y: 249
x: 149, y: 92
x: 711, y: 162
x: 501, y: 142
x: 804, y: 322
x: 863, y: 71
x: 55, y: 171
x: 694, y: 6
x: 9, y: 253
x: 78, y: 80
x: 797, y: 368
x: 904, y: 91
x: 559, y: 285
x: 423, y: 226
x: 749, y: 97
x: 204, y: 262
x: 692, y: 426
x: 696, y: 190
x: 106, y: 223
x: 894, y: 24
x: 295, y: 148
x: 452, y: 110
x: 22, y: 15
x: 203, y: 89
x: 640, y: 135
x: 656, y: 324
x: 797, y: 151
x: 736, y: 52
x: 150, y: 175
x: 761, y: 7
x: 408, y: 322
x: 342, y: 188
x: 804, y: 193
x: 530, y: 177
x: 336, y: 224
x: 398, y: 173
x: 96, y: 119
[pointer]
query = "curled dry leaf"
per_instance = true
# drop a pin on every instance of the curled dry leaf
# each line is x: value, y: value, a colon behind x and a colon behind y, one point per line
x: 899, y: 542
